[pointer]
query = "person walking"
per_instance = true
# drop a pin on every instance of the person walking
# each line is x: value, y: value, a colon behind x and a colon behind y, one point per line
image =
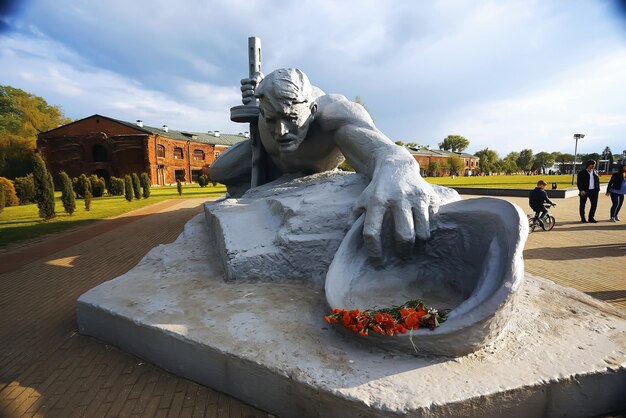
x: 588, y: 184
x: 617, y: 189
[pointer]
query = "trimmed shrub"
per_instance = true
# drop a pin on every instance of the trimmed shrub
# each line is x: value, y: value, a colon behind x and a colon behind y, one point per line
x: 87, y: 200
x: 25, y: 189
x: 136, y: 185
x: 179, y: 187
x: 203, y: 180
x: 116, y: 188
x: 145, y: 185
x: 67, y: 193
x: 10, y: 197
x: 128, y: 188
x: 97, y: 186
x: 44, y: 189
x: 81, y: 185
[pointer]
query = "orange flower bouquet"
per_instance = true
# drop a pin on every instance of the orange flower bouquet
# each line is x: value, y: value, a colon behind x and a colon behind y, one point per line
x: 409, y: 316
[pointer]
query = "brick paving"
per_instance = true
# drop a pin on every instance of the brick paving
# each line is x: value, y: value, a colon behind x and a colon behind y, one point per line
x: 47, y: 369
x: 588, y: 257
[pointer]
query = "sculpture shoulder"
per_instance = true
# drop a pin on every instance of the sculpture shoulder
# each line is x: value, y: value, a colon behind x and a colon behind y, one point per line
x: 336, y: 111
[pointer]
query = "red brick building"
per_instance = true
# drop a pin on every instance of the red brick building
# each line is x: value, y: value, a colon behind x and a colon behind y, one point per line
x: 108, y: 147
x: 424, y: 156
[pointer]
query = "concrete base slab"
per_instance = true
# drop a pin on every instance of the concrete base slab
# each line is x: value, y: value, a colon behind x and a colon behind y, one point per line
x: 563, y: 354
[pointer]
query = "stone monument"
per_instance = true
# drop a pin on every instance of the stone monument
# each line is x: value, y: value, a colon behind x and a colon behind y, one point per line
x: 238, y: 301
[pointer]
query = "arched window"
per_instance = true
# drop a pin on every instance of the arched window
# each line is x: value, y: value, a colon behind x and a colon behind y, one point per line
x: 198, y: 154
x: 160, y: 151
x: 99, y: 154
x: 178, y: 154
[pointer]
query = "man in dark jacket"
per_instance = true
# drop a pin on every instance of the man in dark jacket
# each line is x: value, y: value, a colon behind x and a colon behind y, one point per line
x: 537, y: 197
x: 588, y: 188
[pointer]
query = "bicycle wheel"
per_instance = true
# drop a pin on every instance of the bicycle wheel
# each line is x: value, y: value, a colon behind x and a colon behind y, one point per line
x: 532, y: 224
x: 548, y: 223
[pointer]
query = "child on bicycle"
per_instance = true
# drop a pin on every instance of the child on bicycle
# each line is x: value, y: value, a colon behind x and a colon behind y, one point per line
x: 536, y: 199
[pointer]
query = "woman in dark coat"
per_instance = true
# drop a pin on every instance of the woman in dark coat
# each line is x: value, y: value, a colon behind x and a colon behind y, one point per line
x: 616, y: 189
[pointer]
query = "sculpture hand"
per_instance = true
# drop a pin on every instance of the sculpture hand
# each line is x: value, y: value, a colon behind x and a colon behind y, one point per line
x: 248, y: 85
x: 397, y: 190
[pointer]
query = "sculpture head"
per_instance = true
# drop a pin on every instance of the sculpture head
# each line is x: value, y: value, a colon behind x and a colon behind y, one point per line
x: 287, y: 107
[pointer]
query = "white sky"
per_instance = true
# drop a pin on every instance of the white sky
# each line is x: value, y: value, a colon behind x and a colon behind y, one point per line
x: 507, y: 75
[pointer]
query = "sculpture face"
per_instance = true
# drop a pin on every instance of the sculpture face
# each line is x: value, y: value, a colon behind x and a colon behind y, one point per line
x: 288, y: 125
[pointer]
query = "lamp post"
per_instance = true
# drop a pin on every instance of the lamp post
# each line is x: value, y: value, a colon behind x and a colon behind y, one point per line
x: 576, y: 137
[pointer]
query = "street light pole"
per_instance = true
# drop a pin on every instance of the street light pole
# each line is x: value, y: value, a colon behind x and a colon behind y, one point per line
x: 576, y: 137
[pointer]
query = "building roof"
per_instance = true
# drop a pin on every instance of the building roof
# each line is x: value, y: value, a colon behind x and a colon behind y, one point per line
x: 214, y: 138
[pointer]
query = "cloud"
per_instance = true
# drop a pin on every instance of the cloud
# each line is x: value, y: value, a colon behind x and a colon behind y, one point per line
x: 506, y: 74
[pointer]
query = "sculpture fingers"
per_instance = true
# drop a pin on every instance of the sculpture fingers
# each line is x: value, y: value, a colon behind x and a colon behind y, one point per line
x: 421, y: 217
x: 372, y: 231
x: 404, y: 229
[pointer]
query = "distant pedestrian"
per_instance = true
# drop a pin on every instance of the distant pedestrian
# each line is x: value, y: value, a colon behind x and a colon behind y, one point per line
x: 588, y: 188
x: 617, y: 189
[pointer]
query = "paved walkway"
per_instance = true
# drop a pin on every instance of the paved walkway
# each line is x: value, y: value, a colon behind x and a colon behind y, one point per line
x: 47, y: 369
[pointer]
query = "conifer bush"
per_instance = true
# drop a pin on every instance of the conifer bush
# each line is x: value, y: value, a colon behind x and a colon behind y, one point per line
x: 67, y: 193
x: 81, y: 185
x: 128, y: 188
x: 145, y: 185
x: 136, y: 185
x: 203, y: 180
x: 98, y: 186
x: 87, y: 200
x: 44, y: 189
x: 179, y: 187
x: 116, y: 187
x: 25, y: 189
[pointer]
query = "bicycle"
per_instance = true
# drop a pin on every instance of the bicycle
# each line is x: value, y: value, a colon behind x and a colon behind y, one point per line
x: 546, y: 222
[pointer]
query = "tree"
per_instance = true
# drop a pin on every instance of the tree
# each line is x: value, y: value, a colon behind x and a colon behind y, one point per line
x: 400, y: 143
x: 128, y: 188
x: 81, y: 185
x: 345, y: 166
x: 25, y: 189
x: 525, y: 160
x: 434, y: 168
x: 488, y: 159
x: 455, y: 164
x: 509, y: 163
x: 22, y: 117
x: 454, y: 143
x: 1, y: 197
x: 145, y: 185
x: 88, y: 200
x: 564, y: 158
x: 67, y: 193
x: 179, y: 187
x: 44, y: 189
x: 411, y: 144
x: 98, y: 185
x: 542, y: 161
x: 136, y: 185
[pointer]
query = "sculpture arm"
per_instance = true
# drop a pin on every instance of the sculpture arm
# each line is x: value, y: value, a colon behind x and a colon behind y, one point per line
x: 396, y: 186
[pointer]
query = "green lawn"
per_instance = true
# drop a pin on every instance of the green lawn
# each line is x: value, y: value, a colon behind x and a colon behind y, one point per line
x: 507, y: 182
x: 19, y: 223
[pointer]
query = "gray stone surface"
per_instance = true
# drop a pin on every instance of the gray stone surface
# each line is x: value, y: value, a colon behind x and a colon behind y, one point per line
x: 289, y: 229
x: 563, y: 353
x: 472, y: 265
